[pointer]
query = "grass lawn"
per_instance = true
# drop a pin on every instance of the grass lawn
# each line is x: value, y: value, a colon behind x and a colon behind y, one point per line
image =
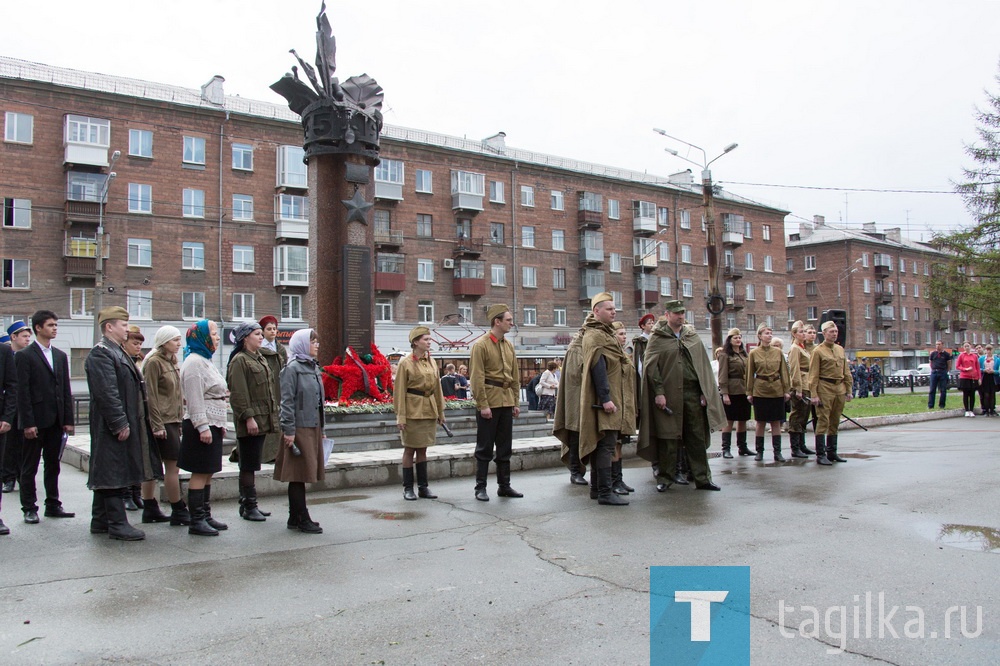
x: 903, y: 403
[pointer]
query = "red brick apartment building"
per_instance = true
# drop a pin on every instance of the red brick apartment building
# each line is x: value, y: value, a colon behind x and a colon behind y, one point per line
x: 880, y: 279
x: 208, y: 216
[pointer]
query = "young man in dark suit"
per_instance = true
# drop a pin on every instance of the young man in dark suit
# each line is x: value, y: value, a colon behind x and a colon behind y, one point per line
x: 45, y: 412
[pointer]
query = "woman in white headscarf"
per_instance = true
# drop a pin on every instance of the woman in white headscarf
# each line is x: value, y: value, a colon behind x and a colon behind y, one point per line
x: 300, y: 458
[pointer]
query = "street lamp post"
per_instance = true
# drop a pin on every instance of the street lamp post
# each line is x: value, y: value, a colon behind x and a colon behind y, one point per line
x: 715, y: 296
x: 99, y: 265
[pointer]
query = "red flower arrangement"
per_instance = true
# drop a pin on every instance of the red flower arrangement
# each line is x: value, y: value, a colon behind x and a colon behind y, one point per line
x: 358, y: 379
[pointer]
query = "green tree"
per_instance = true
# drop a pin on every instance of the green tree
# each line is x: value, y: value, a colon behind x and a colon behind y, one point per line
x: 970, y: 279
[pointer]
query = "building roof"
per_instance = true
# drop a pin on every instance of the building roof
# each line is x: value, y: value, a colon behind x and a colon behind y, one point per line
x: 495, y: 147
x: 819, y: 233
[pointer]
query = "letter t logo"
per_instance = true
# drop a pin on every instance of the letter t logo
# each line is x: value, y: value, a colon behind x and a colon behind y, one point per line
x: 701, y: 610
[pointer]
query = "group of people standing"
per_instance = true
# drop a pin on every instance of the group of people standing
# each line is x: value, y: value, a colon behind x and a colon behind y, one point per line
x: 867, y: 377
x: 977, y: 375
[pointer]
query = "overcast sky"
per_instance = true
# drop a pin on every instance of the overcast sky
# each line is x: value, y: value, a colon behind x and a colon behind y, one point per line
x: 874, y: 95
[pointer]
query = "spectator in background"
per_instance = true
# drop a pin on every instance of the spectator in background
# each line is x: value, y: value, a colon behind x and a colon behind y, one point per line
x: 462, y: 383
x: 449, y: 382
x: 967, y: 365
x: 988, y: 384
x: 531, y: 391
x: 940, y: 360
x: 550, y: 384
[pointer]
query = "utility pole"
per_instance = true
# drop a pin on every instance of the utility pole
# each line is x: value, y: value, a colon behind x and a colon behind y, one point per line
x: 99, y: 254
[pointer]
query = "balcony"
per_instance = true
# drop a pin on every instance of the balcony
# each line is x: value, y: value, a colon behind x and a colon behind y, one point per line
x: 390, y: 272
x: 82, y: 211
x: 591, y: 247
x: 644, y: 225
x: 289, y: 228
x: 647, y: 291
x: 731, y: 272
x: 881, y: 269
x: 470, y: 203
x: 884, y: 297
x: 942, y: 324
x: 732, y: 229
x: 588, y: 291
x: 884, y: 321
x: 647, y: 261
x: 468, y: 247
x: 388, y: 239
x: 80, y: 267
x: 86, y: 154
x: 388, y: 191
x: 589, y: 219
x: 960, y: 324
x: 732, y: 238
x: 469, y: 287
x: 736, y: 302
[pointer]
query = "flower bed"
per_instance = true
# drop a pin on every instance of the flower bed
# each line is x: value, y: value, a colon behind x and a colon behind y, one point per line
x: 374, y: 407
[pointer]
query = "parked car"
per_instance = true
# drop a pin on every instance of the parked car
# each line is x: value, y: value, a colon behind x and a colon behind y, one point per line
x: 924, y: 369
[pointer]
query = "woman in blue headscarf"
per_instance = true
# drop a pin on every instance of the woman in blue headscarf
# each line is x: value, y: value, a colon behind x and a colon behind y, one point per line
x: 205, y: 412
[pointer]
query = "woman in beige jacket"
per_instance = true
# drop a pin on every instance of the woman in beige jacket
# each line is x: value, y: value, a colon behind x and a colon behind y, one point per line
x: 767, y: 390
x: 419, y: 406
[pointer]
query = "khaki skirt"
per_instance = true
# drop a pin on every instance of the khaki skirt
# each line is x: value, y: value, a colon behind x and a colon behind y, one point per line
x: 305, y: 468
x: 419, y: 433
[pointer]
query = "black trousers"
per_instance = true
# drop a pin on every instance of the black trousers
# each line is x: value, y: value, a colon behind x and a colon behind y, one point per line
x: 495, y: 433
x: 44, y: 448
x: 10, y: 461
x: 601, y: 457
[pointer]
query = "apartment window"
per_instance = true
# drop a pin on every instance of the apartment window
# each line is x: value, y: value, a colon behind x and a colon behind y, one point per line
x: 916, y: 314
x: 93, y: 131
x: 291, y: 307
x: 193, y: 256
x: 425, y: 270
x: 16, y: 274
x: 685, y: 254
x: 751, y: 322
x: 139, y: 303
x: 768, y: 264
x: 467, y: 182
x: 685, y: 219
x: 465, y: 312
x: 140, y: 143
x: 18, y: 127
x: 791, y: 318
x: 530, y: 315
x: 664, y: 286
x: 498, y: 275
x: 293, y: 208
x: 242, y: 207
x: 881, y: 336
x: 140, y: 198
x: 790, y: 265
x: 614, y: 210
x: 558, y: 202
x: 193, y: 305
x: 81, y: 302
x: 902, y: 314
x: 425, y: 312
x: 751, y: 292
x: 616, y: 298
x: 559, y: 317
x: 529, y: 277
x: 389, y: 171
x: 664, y: 250
x: 902, y: 265
x: 527, y: 237
x: 615, y: 262
x: 425, y: 181
x: 292, y: 171
x: 866, y: 286
x: 811, y: 289
x: 926, y: 269
x: 747, y: 228
x: 704, y: 256
x: 382, y: 222
x: 463, y: 228
x: 865, y: 259
x: 558, y: 278
x: 868, y: 336
x: 916, y: 290
x: 243, y: 157
x: 383, y: 309
x: 194, y: 150
x: 425, y: 225
x: 527, y: 196
x: 496, y: 191
x: 291, y: 265
x: 84, y: 186
x: 687, y: 288
x: 765, y: 233
x: 17, y: 213
x: 194, y: 203
x: 906, y: 337
x: 82, y: 244
x: 243, y: 307
x: 902, y: 289
x: 663, y: 216
x: 140, y: 252
x: 558, y: 239
x: 811, y: 262
x: 496, y: 233
x: 790, y: 290
x: 914, y: 265
x: 748, y: 261
x: 768, y: 293
x: 811, y: 313
x: 243, y: 259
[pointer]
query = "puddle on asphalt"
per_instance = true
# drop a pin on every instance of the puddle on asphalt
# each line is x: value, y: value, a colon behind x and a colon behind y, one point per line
x: 858, y: 456
x: 334, y: 500
x: 970, y: 537
x: 390, y: 515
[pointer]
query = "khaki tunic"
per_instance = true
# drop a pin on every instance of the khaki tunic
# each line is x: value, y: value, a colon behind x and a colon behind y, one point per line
x: 798, y: 367
x: 767, y: 373
x: 733, y: 374
x: 830, y: 381
x: 163, y: 391
x: 494, y: 359
x: 419, y: 413
x: 599, y: 341
x: 253, y: 393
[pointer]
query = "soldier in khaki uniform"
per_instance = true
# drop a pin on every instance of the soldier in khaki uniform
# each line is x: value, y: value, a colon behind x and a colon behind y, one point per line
x: 830, y: 386
x: 767, y: 390
x: 419, y: 404
x: 566, y: 426
x: 798, y: 370
x: 497, y: 390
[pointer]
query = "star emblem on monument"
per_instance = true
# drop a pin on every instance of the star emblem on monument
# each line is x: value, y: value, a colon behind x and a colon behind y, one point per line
x: 357, y: 207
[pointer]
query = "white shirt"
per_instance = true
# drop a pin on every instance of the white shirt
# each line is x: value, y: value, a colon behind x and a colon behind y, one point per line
x: 47, y: 353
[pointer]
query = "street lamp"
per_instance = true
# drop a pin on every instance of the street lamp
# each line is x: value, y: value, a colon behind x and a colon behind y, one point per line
x: 846, y: 273
x: 99, y: 267
x: 715, y: 297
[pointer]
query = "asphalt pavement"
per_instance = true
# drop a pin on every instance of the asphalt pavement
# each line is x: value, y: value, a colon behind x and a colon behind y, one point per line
x: 552, y: 578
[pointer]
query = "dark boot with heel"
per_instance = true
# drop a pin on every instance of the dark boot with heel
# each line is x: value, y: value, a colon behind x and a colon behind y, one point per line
x: 727, y: 444
x: 179, y: 514
x: 208, y: 511
x: 831, y: 449
x: 151, y: 512
x: 759, y: 444
x: 408, y: 484
x: 248, y: 505
x: 741, y: 444
x: 776, y: 447
x: 618, y: 479
x: 118, y: 525
x: 422, y: 490
x: 605, y: 495
x: 199, y: 525
x: 821, y: 450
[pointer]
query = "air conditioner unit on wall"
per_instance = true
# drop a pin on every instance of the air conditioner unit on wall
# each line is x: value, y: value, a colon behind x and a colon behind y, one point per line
x: 448, y: 263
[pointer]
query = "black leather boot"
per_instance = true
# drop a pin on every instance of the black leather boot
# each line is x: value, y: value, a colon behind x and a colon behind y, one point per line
x: 617, y: 481
x: 727, y: 444
x: 831, y: 449
x: 151, y: 512
x: 794, y: 439
x: 503, y: 480
x: 576, y: 468
x: 179, y: 514
x: 118, y: 525
x: 408, y: 484
x: 802, y: 445
x: 594, y: 479
x: 137, y: 496
x: 99, y: 514
x: 208, y: 511
x: 821, y: 450
x: 307, y: 524
x: 759, y: 443
x: 605, y: 495
x: 776, y: 447
x: 422, y: 489
x: 250, y: 510
x: 127, y: 501
x: 741, y: 444
x: 680, y: 473
x: 199, y: 515
x: 482, y: 469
